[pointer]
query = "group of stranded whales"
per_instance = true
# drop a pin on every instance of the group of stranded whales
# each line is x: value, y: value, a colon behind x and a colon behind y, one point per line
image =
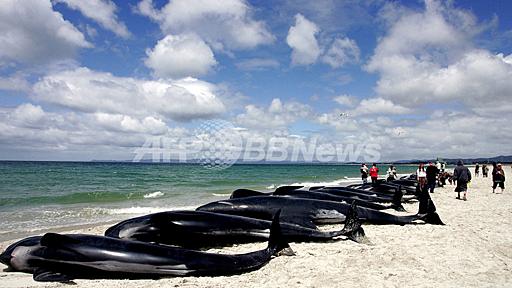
x: 170, y: 243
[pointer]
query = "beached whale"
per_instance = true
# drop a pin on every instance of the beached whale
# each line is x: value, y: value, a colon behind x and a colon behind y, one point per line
x: 369, y: 193
x: 312, y: 211
x: 382, y: 186
x: 325, y: 195
x: 55, y: 257
x: 200, y: 229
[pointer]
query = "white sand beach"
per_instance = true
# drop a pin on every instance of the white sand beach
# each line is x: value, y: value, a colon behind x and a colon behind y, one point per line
x: 474, y: 249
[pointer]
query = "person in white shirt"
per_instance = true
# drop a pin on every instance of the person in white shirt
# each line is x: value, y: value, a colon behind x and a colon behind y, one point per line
x: 421, y: 174
x: 391, y: 173
x: 438, y: 166
x: 364, y: 173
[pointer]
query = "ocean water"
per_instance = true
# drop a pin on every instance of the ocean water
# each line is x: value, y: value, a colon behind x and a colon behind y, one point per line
x: 35, y: 196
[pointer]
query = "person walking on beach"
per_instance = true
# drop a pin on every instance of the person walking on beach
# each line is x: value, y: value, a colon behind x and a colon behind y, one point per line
x: 431, y: 172
x: 498, y: 178
x: 364, y: 173
x: 374, y: 173
x: 462, y: 176
x: 485, y: 171
x: 477, y: 170
x: 391, y: 173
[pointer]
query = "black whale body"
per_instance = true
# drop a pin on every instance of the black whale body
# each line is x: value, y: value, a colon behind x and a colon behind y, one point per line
x: 315, y: 211
x: 200, y: 229
x: 55, y: 257
x: 330, y: 195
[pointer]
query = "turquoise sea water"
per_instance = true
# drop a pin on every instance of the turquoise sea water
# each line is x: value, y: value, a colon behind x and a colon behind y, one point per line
x: 35, y: 196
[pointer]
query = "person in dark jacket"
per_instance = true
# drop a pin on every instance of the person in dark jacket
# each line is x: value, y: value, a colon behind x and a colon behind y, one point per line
x: 498, y: 177
x: 462, y: 175
x: 432, y: 172
x: 485, y: 170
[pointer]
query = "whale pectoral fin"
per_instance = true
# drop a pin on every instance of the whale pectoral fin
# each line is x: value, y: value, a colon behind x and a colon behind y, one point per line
x: 43, y: 275
x: 51, y: 239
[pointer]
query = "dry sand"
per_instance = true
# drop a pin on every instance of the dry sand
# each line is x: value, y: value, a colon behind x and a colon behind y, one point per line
x: 474, y: 249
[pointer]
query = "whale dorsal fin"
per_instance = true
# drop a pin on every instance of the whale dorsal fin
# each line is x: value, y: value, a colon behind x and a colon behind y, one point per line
x: 243, y: 193
x: 284, y: 189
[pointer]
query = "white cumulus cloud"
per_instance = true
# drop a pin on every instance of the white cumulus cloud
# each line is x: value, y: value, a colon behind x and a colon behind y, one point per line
x: 379, y: 106
x: 32, y: 32
x: 428, y: 56
x: 177, y: 56
x: 341, y: 52
x: 302, y: 39
x: 277, y: 116
x: 89, y: 91
x: 224, y: 25
x: 345, y: 100
x: 101, y: 11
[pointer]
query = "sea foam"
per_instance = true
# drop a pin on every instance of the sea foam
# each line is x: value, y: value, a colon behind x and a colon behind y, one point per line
x: 156, y: 194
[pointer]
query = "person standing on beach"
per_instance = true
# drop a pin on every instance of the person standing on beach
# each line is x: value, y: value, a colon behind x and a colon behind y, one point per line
x: 462, y: 175
x: 364, y: 173
x: 431, y: 172
x: 485, y: 170
x: 477, y: 170
x: 391, y: 173
x: 374, y: 173
x: 498, y: 178
x: 421, y: 175
x: 438, y: 166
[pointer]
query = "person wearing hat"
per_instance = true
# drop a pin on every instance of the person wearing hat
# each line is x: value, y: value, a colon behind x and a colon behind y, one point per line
x: 462, y: 175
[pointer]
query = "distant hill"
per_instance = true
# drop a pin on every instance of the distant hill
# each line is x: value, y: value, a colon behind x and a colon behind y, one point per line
x: 501, y: 159
x: 453, y: 161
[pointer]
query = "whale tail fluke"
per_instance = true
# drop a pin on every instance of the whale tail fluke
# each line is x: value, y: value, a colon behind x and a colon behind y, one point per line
x: 276, y: 242
x: 352, y: 228
x: 423, y: 199
x: 430, y: 215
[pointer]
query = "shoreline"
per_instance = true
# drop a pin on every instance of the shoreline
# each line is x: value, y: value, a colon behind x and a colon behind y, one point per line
x: 473, y: 249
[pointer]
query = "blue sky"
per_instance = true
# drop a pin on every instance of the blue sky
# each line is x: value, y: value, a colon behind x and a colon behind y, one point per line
x: 83, y: 80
